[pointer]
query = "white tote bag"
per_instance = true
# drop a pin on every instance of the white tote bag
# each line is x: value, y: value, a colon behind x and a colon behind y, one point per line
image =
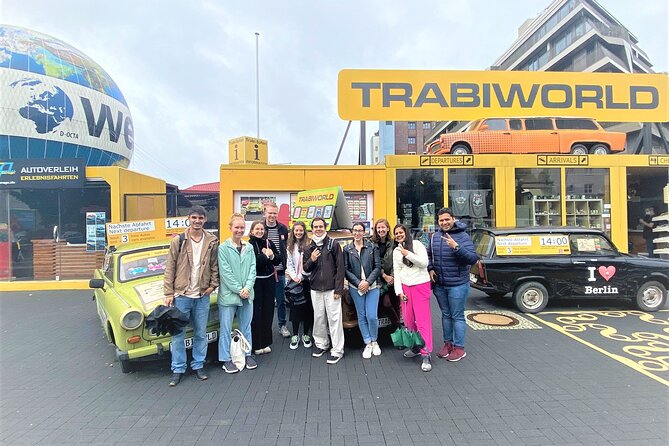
x: 239, y: 348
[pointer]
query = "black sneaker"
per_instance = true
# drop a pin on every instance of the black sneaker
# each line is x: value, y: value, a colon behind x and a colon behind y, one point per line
x: 199, y: 373
x: 230, y: 367
x: 332, y: 359
x: 176, y: 379
x: 251, y: 363
x: 412, y: 352
x: 318, y: 352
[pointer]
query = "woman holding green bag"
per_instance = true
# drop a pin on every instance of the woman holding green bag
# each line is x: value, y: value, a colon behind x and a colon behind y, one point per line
x: 412, y: 285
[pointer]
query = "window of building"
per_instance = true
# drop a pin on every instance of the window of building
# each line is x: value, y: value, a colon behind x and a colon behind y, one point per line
x: 588, y: 199
x: 411, y: 126
x: 644, y: 190
x: 538, y: 197
x: 411, y: 140
x: 420, y: 194
x: 470, y: 196
x: 427, y: 125
x: 389, y: 122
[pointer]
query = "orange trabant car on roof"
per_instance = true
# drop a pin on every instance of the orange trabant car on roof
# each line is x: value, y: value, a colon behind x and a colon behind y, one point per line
x: 578, y: 136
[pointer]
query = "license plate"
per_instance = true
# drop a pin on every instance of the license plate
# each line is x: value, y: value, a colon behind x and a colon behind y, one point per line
x: 384, y: 322
x: 473, y: 278
x: 211, y: 337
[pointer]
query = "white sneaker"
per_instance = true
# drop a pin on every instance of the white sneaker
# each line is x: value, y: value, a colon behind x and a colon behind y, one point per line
x: 267, y: 350
x: 376, y: 350
x: 283, y: 331
x: 367, y: 352
x: 426, y: 366
x: 260, y: 351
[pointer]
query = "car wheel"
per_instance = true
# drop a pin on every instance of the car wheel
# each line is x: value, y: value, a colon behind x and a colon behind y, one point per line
x: 599, y: 149
x: 460, y: 149
x: 531, y: 297
x: 579, y: 149
x: 651, y: 296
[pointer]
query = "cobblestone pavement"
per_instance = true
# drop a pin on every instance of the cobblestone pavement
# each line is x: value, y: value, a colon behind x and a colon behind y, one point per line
x: 60, y: 384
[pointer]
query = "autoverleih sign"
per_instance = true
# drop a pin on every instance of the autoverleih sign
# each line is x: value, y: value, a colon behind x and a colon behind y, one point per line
x: 42, y: 174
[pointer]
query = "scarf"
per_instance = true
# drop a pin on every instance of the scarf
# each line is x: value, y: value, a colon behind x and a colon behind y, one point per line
x: 318, y: 240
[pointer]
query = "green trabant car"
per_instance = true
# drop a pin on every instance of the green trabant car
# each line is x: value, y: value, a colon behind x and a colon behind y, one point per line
x: 126, y: 289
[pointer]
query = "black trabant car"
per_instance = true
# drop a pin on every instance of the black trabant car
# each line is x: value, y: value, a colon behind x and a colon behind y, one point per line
x: 539, y: 263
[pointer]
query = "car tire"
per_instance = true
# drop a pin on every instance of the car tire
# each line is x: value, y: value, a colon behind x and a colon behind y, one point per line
x: 460, y: 149
x: 599, y: 149
x: 579, y: 149
x: 530, y: 297
x: 651, y: 296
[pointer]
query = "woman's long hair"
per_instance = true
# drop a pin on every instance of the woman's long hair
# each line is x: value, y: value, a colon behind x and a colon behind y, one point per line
x: 408, y: 243
x: 375, y: 237
x: 292, y: 240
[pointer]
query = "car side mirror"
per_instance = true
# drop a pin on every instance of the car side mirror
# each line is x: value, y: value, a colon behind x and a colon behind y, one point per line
x: 96, y: 283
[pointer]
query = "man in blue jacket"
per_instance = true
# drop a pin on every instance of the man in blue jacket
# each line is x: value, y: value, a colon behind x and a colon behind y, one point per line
x: 451, y: 252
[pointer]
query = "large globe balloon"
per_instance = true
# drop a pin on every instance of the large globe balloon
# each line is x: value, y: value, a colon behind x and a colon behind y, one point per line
x: 56, y: 102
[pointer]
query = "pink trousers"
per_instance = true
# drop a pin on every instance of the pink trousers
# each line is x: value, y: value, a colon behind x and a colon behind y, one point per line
x: 417, y: 313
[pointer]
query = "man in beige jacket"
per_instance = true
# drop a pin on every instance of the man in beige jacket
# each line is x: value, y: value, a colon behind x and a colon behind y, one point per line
x: 191, y: 275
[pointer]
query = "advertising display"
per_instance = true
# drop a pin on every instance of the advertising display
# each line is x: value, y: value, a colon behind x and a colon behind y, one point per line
x: 42, y: 174
x: 438, y: 95
x: 527, y: 245
x: 145, y: 230
x: 95, y: 231
x: 328, y: 203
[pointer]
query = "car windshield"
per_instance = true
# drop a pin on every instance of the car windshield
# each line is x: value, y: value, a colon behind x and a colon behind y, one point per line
x: 139, y: 264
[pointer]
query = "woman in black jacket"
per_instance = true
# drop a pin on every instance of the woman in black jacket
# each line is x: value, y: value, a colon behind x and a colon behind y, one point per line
x: 267, y: 257
x: 363, y: 267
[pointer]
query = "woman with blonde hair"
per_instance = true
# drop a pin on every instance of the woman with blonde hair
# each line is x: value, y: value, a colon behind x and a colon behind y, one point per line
x: 237, y: 271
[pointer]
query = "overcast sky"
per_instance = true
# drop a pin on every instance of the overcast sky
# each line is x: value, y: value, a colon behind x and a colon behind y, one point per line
x: 187, y: 68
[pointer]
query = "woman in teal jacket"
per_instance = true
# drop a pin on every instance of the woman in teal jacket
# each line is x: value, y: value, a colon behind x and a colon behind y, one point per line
x: 237, y: 271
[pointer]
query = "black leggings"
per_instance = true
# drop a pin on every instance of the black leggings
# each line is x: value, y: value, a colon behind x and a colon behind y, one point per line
x: 263, y: 312
x: 303, y: 313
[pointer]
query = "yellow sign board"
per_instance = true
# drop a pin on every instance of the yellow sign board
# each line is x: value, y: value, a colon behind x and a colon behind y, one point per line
x: 247, y: 150
x: 439, y: 95
x: 658, y: 160
x: 328, y: 203
x: 562, y: 160
x: 145, y: 230
x: 447, y: 160
x: 528, y: 245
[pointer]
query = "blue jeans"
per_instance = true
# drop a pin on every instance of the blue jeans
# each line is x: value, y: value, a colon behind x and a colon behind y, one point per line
x: 227, y: 315
x: 279, y: 296
x: 198, y: 311
x: 452, y: 301
x: 367, y: 307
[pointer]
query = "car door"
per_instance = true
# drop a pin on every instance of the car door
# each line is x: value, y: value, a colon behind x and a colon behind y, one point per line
x: 494, y: 137
x: 598, y: 269
x: 539, y: 136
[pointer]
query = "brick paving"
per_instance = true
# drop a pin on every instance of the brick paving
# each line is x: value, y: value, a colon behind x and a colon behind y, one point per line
x: 60, y: 384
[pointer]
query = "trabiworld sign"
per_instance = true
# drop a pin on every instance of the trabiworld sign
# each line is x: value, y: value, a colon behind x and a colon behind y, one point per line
x: 420, y: 95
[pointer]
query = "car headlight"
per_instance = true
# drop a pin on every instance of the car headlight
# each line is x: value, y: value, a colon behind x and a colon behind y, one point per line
x: 132, y: 319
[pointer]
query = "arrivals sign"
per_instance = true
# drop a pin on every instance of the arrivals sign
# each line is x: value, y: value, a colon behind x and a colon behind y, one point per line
x: 145, y: 230
x: 422, y: 95
x: 42, y: 174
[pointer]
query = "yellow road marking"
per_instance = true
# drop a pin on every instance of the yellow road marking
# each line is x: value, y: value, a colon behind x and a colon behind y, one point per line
x: 623, y: 360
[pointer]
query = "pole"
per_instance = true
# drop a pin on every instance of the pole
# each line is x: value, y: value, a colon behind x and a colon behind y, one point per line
x: 343, y: 140
x: 257, y: 90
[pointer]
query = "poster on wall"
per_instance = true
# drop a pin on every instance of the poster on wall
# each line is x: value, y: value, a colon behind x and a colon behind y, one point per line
x: 251, y: 206
x: 357, y: 206
x: 328, y: 203
x: 95, y: 231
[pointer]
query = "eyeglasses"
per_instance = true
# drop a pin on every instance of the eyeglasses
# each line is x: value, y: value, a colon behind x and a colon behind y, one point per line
x: 358, y: 230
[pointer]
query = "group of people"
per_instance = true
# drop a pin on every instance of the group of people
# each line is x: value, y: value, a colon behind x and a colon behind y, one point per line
x: 254, y: 276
